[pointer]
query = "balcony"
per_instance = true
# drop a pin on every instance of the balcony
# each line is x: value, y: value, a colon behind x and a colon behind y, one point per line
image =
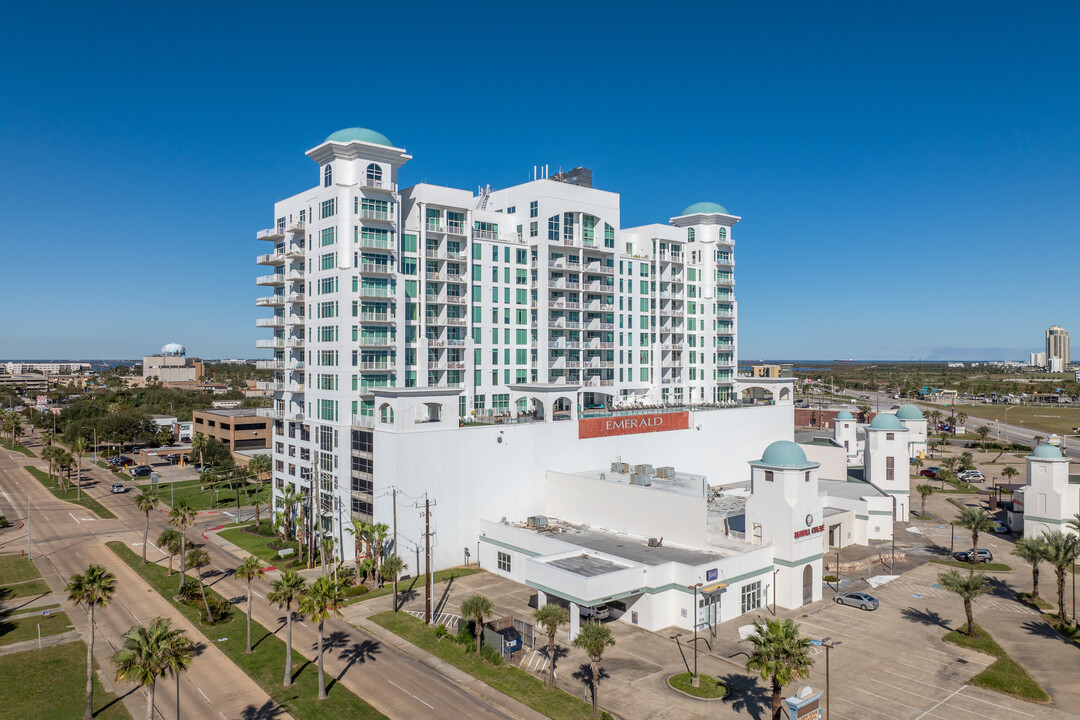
x: 456, y: 299
x: 269, y: 364
x: 455, y: 228
x: 370, y: 243
x: 380, y: 293
x: 456, y: 321
x: 374, y: 268
x: 270, y: 343
x: 294, y: 319
x: 271, y: 322
x: 375, y: 341
x: 271, y: 301
x: 485, y: 235
x: 294, y: 251
x: 274, y: 233
x: 296, y: 275
x: 372, y: 184
x: 725, y: 260
x: 295, y: 227
x: 563, y: 305
x: 276, y: 258
x: 381, y: 215
x: 434, y: 227
x: 275, y: 279
x: 376, y: 366
x: 295, y: 297
x: 377, y: 317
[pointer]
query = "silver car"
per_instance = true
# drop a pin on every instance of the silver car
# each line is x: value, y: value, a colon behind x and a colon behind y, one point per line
x: 858, y: 599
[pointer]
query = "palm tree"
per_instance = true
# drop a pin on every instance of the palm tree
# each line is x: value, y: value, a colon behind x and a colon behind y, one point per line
x: 287, y: 589
x: 1062, y: 551
x: 1009, y: 472
x: 146, y: 502
x: 93, y: 589
x: 476, y: 608
x: 392, y: 567
x: 967, y: 461
x: 258, y: 466
x: 64, y: 463
x: 1032, y: 551
x: 169, y: 541
x: 925, y: 490
x: 198, y: 444
x: 983, y: 432
x: 182, y: 517
x: 150, y: 653
x: 361, y: 532
x: 551, y: 616
x: 198, y: 558
x: 321, y: 600
x: 975, y: 521
x: 961, y: 418
x: 932, y: 446
x: 290, y: 499
x: 781, y: 655
x: 594, y: 638
x: 379, y: 532
x: 50, y: 455
x: 79, y: 448
x: 968, y: 587
x: 249, y: 571
x: 864, y: 413
x: 917, y: 463
x: 950, y: 465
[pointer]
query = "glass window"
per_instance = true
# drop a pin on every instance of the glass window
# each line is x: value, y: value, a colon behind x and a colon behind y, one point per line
x: 504, y: 561
x: 327, y: 175
x: 751, y: 596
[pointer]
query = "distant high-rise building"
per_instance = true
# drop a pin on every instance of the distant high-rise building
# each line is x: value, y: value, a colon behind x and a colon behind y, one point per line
x: 1057, y: 345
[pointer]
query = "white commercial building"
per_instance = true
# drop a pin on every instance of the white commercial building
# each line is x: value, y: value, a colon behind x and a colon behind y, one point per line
x: 526, y: 303
x: 1048, y: 500
x: 45, y: 368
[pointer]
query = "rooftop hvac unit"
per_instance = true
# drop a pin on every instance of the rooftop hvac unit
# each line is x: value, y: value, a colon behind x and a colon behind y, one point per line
x: 620, y: 467
x: 665, y: 472
x: 537, y: 521
x: 656, y: 542
x: 641, y: 479
x: 643, y: 469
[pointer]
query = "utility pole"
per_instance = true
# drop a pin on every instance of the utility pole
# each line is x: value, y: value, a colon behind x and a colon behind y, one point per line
x: 427, y: 561
x: 395, y: 521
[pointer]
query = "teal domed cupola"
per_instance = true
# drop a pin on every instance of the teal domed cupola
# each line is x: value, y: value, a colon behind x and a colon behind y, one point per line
x: 909, y: 412
x: 783, y: 454
x: 359, y: 134
x: 1046, y: 452
x: 705, y: 208
x: 886, y: 421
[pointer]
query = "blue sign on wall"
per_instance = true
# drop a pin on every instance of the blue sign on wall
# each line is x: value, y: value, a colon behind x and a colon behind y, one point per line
x: 711, y: 575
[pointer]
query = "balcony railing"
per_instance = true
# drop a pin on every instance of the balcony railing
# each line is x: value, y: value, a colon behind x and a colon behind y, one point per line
x: 275, y: 279
x: 274, y: 233
x: 485, y: 234
x: 367, y: 182
x: 270, y: 259
x: 270, y: 322
x: 376, y: 243
x: 375, y: 268
x: 377, y: 317
x: 369, y: 214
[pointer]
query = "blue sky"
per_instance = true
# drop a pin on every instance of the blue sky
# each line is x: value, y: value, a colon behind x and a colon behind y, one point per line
x: 907, y: 174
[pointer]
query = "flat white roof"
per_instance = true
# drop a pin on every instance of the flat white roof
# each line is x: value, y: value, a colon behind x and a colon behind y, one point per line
x: 690, y: 484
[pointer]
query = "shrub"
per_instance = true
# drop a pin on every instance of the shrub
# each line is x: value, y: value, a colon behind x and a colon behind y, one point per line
x: 264, y: 528
x: 4, y: 521
x: 465, y: 634
x: 355, y: 590
x: 441, y: 631
x: 830, y: 578
x: 491, y: 655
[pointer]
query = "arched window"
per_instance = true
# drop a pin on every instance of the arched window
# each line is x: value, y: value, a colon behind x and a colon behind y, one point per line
x: 327, y: 175
x: 386, y: 413
x: 374, y: 174
x: 689, y: 234
x: 723, y: 233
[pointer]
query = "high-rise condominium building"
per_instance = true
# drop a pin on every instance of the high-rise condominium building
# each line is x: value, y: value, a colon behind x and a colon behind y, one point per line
x: 477, y: 296
x: 1057, y: 345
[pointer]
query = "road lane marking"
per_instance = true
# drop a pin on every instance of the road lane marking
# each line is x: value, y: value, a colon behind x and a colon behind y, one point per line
x: 940, y: 702
x: 157, y: 548
x: 888, y: 700
x: 863, y: 707
x: 74, y: 518
x: 256, y: 593
x: 409, y: 693
x: 997, y: 705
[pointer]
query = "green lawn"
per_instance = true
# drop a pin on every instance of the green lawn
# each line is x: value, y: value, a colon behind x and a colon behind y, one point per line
x: 266, y: 665
x: 69, y: 495
x: 1004, y: 675
x: 44, y: 685
x: 257, y: 545
x: 24, y: 589
x: 200, y: 499
x: 16, y: 568
x: 119, y: 474
x: 988, y: 567
x: 1069, y: 631
x: 17, y: 447
x: 1060, y: 420
x: 708, y: 687
x: 505, y: 678
x: 26, y: 628
x: 416, y: 583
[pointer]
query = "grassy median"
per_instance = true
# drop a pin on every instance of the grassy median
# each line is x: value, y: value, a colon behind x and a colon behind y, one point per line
x: 17, y: 447
x: 44, y: 685
x: 26, y: 628
x: 70, y: 495
x: 266, y: 664
x: 505, y: 678
x: 1004, y: 675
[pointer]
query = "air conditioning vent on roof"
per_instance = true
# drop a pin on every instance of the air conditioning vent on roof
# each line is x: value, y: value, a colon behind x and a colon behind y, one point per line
x: 665, y: 472
x: 643, y: 469
x: 620, y: 467
x: 641, y: 479
x: 538, y: 521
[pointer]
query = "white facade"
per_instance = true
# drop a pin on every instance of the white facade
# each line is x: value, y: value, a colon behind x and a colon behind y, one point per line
x: 433, y: 287
x: 887, y: 460
x: 845, y: 433
x: 45, y: 368
x: 1050, y: 500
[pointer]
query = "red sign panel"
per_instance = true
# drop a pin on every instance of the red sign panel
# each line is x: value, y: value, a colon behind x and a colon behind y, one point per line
x: 632, y: 424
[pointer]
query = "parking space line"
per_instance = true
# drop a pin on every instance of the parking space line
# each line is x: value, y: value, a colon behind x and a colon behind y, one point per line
x: 882, y: 697
x: 863, y: 707
x: 911, y: 679
x: 941, y: 702
x: 896, y: 687
x: 996, y: 704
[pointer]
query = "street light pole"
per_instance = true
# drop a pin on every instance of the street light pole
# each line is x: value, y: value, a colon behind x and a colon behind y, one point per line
x: 695, y: 681
x: 828, y: 644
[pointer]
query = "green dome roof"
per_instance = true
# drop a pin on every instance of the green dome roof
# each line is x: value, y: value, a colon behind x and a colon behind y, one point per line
x: 783, y: 453
x: 909, y: 412
x: 705, y: 208
x: 1046, y: 451
x: 886, y: 421
x: 844, y: 415
x: 362, y: 134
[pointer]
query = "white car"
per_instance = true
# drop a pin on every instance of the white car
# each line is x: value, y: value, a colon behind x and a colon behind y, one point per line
x: 598, y: 612
x: 971, y: 476
x: 118, y: 488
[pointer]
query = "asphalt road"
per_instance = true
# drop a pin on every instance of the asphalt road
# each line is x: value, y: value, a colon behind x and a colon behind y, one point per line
x: 393, y: 682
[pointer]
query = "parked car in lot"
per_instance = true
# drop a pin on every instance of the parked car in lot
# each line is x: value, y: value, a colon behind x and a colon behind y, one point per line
x: 1001, y: 528
x: 598, y: 612
x: 985, y: 556
x: 971, y: 476
x: 930, y: 472
x: 858, y: 599
x: 118, y: 488
x: 141, y: 471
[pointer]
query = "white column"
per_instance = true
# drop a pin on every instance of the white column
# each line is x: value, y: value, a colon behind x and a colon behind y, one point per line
x: 541, y: 599
x: 575, y: 621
